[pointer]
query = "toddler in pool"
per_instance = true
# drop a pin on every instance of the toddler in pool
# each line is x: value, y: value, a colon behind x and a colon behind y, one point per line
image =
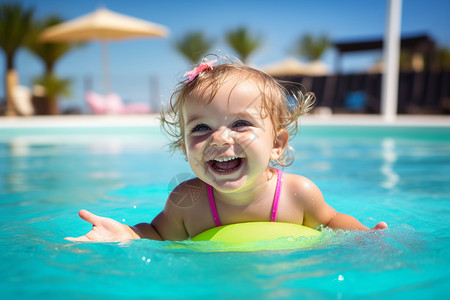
x: 233, y: 123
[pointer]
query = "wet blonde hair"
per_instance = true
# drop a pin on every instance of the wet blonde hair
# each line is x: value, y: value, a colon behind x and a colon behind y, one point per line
x: 283, y: 102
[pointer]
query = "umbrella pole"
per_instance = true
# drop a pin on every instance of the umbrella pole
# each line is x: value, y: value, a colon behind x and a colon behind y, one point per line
x: 391, y: 52
x: 106, y: 70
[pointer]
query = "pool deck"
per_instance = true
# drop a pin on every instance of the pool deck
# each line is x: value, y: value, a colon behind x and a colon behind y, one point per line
x: 152, y: 120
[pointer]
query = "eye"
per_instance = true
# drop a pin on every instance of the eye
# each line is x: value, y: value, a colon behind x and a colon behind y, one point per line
x: 241, y: 123
x: 200, y: 127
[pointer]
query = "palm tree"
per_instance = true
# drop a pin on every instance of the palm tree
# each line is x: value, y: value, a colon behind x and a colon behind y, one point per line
x: 15, y: 22
x: 50, y: 53
x: 243, y: 42
x: 194, y: 46
x: 312, y: 48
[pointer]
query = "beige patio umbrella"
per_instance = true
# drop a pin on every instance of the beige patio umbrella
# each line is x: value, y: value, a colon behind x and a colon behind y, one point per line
x: 103, y: 25
x: 292, y: 66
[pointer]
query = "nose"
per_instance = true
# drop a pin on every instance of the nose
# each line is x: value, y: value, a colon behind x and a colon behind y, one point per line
x: 222, y: 137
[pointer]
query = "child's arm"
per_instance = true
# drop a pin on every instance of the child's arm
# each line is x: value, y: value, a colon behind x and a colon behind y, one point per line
x: 104, y: 230
x: 318, y: 212
x: 343, y: 221
x: 167, y: 225
x: 109, y: 230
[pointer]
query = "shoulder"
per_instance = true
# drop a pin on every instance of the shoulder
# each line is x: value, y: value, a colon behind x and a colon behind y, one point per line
x: 298, y: 183
x: 187, y: 193
x: 182, y: 201
x: 301, y: 189
x: 309, y: 197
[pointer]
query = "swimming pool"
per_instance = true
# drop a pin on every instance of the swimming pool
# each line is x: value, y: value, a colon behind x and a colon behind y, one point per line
x: 399, y: 175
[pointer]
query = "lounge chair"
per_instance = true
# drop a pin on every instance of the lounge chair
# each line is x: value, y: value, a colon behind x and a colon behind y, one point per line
x: 22, y: 100
x: 113, y: 104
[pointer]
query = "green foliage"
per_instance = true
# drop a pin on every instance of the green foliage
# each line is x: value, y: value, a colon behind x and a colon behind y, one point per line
x: 312, y: 48
x: 194, y: 46
x: 443, y: 55
x: 243, y: 42
x: 49, y: 53
x: 439, y: 60
x: 405, y: 60
x: 54, y: 86
x: 15, y: 22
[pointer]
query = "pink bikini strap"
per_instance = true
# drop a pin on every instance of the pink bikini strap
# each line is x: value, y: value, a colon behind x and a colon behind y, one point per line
x: 276, y: 198
x: 273, y: 218
x: 212, y: 205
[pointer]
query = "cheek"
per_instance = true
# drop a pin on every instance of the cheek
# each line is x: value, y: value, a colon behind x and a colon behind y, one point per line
x: 195, y: 144
x: 256, y: 141
x: 246, y: 139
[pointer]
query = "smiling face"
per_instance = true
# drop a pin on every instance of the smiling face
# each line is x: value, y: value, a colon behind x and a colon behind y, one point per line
x: 230, y: 141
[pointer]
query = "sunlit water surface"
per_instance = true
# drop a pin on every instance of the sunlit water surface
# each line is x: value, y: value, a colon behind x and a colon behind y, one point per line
x: 398, y: 175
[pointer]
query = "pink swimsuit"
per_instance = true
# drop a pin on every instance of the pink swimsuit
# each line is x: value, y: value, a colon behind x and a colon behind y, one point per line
x: 276, y: 198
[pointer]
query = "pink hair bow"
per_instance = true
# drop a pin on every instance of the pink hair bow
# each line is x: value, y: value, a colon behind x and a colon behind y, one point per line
x: 197, y: 70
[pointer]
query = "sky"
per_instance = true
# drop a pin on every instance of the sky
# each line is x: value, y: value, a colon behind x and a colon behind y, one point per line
x: 135, y: 64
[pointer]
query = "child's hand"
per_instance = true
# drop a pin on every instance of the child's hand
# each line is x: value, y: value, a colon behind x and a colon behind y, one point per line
x: 380, y: 226
x: 104, y: 230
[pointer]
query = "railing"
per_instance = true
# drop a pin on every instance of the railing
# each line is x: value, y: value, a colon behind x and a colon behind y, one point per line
x: 425, y: 92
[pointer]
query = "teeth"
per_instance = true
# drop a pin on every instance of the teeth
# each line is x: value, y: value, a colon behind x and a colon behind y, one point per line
x: 224, y: 159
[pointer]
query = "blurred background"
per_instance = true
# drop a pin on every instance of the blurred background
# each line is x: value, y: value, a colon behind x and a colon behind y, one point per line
x: 333, y: 48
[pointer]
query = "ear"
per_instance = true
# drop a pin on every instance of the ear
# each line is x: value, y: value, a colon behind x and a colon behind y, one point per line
x: 183, y: 148
x: 279, y: 144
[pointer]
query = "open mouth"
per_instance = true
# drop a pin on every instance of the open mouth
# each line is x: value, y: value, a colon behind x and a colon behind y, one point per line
x: 227, y: 164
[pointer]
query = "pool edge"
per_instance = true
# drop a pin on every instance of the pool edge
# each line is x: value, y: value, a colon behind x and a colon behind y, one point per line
x: 152, y: 120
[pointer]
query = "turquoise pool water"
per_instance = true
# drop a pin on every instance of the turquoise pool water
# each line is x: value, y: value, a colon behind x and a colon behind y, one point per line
x: 400, y: 175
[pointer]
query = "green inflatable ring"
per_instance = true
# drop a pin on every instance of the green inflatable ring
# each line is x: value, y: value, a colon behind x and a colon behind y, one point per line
x: 255, y: 236
x: 254, y: 232
x: 251, y: 236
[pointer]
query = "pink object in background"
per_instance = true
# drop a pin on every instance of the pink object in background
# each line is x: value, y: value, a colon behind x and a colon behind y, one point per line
x: 113, y: 104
